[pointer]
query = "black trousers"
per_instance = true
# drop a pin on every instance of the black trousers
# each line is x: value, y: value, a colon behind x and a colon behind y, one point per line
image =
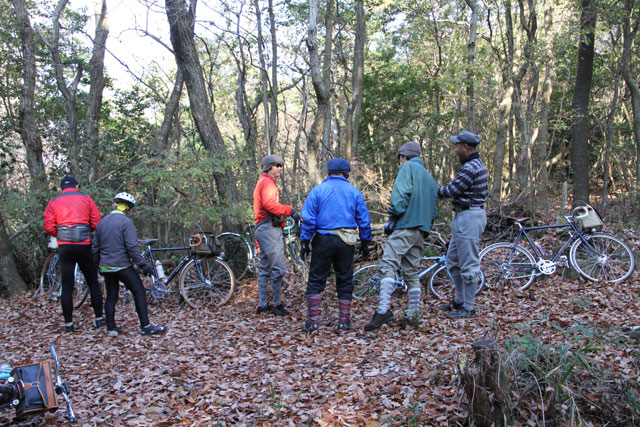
x: 70, y: 255
x: 129, y: 276
x: 328, y: 250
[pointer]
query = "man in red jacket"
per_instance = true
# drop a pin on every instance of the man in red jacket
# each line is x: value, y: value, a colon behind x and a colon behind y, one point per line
x: 71, y: 217
x: 270, y: 213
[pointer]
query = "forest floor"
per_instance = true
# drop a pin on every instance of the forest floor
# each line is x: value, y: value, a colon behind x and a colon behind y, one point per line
x: 228, y: 366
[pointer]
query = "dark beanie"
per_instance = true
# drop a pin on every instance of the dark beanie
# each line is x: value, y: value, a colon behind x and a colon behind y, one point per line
x: 68, y: 182
x: 410, y: 149
x: 466, y: 137
x: 267, y: 162
x: 339, y: 165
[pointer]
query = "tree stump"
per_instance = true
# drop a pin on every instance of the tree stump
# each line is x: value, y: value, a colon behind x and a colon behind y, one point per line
x: 486, y: 386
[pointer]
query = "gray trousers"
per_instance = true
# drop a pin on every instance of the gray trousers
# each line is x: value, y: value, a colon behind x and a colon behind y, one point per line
x: 462, y: 256
x: 272, y: 263
x: 402, y: 251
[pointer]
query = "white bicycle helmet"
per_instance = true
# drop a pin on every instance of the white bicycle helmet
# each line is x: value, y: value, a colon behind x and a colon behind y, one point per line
x: 125, y: 198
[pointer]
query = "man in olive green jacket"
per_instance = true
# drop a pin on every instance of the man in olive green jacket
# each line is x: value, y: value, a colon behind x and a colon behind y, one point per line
x: 411, y: 213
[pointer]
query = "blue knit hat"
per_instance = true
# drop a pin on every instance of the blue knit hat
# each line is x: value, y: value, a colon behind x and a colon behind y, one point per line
x: 339, y: 165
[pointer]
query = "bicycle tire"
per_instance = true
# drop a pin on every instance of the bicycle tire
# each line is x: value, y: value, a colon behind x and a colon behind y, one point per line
x: 441, y: 284
x: 297, y: 269
x: 50, y: 282
x: 206, y: 281
x: 80, y: 288
x: 237, y: 253
x: 366, y: 282
x: 613, y: 260
x: 506, y: 264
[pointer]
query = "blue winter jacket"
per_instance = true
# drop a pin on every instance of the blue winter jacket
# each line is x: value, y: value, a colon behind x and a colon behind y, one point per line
x: 335, y: 203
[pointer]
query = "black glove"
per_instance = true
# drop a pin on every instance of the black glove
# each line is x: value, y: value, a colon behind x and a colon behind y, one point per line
x: 364, y: 249
x: 389, y: 226
x: 146, y: 269
x: 304, y: 248
x: 295, y: 215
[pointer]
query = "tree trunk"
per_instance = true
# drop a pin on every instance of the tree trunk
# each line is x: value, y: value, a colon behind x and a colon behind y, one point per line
x: 28, y: 124
x: 580, y: 104
x: 629, y: 32
x: 264, y: 82
x: 162, y: 142
x: 70, y: 93
x: 11, y: 282
x: 352, y: 120
x: 96, y: 86
x: 181, y: 22
x: 321, y: 79
x: 273, y: 117
x: 471, y: 49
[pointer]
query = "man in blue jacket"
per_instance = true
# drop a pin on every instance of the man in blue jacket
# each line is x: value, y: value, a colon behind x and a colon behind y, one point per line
x: 411, y: 212
x: 332, y: 212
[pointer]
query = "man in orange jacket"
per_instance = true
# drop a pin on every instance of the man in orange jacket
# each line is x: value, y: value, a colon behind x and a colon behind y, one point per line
x: 269, y: 215
x: 71, y: 217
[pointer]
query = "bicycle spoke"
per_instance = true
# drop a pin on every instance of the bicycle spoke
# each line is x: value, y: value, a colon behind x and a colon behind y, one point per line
x: 602, y: 258
x: 206, y: 281
x: 508, y: 265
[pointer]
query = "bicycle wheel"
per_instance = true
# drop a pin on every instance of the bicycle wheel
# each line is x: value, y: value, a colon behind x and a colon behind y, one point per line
x: 603, y: 257
x: 506, y: 264
x: 50, y: 281
x: 297, y: 270
x: 366, y: 282
x: 237, y: 253
x: 80, y: 288
x: 205, y: 281
x: 442, y: 287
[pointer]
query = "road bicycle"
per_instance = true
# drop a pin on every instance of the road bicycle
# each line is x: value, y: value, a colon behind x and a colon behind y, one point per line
x: 594, y: 255
x: 30, y: 389
x: 366, y: 280
x: 297, y: 268
x: 204, y: 277
x: 241, y: 251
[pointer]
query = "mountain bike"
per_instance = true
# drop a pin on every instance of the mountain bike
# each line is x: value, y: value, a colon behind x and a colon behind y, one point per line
x: 366, y: 280
x: 594, y: 255
x: 203, y: 276
x: 241, y: 251
x: 30, y: 389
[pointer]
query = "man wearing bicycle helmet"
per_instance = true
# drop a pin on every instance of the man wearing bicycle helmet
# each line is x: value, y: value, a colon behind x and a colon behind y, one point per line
x: 468, y: 192
x: 269, y: 220
x: 116, y: 251
x: 412, y: 210
x: 71, y: 217
x: 331, y: 213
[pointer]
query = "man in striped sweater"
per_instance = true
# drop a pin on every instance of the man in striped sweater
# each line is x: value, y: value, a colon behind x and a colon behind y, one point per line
x: 468, y: 192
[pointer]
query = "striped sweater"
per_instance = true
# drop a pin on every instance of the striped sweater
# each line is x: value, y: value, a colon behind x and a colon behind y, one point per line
x: 470, y: 187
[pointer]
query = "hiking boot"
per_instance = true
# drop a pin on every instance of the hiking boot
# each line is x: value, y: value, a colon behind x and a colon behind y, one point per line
x: 152, y: 329
x: 451, y: 306
x: 114, y: 332
x: 411, y: 321
x: 279, y: 310
x: 460, y: 313
x: 344, y: 326
x: 266, y: 309
x: 310, y: 326
x: 100, y: 323
x: 68, y: 329
x: 379, y: 320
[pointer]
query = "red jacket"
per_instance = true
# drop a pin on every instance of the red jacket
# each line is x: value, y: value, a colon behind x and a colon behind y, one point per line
x: 266, y: 199
x: 71, y: 208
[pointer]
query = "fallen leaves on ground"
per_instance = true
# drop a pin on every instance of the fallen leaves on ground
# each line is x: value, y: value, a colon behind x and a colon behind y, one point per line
x: 230, y: 366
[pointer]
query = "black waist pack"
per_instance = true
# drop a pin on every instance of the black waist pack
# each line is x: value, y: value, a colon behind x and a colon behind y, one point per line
x: 73, y: 233
x: 276, y: 220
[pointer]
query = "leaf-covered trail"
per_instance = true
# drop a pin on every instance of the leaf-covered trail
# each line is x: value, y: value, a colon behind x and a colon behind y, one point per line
x: 229, y: 366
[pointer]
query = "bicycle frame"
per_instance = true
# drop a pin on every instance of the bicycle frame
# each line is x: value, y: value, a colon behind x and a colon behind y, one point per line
x: 177, y: 269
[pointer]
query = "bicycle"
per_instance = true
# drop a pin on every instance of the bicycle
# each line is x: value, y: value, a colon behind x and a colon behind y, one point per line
x: 594, y: 255
x: 51, y: 282
x: 38, y: 396
x: 203, y: 276
x: 241, y: 251
x: 366, y: 280
x: 297, y: 268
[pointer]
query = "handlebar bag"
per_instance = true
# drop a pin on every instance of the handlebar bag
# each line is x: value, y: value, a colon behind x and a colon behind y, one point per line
x: 210, y: 245
x: 592, y: 222
x: 39, y: 389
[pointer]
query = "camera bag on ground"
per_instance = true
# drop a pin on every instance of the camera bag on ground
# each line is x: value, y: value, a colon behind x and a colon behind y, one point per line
x: 39, y: 388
